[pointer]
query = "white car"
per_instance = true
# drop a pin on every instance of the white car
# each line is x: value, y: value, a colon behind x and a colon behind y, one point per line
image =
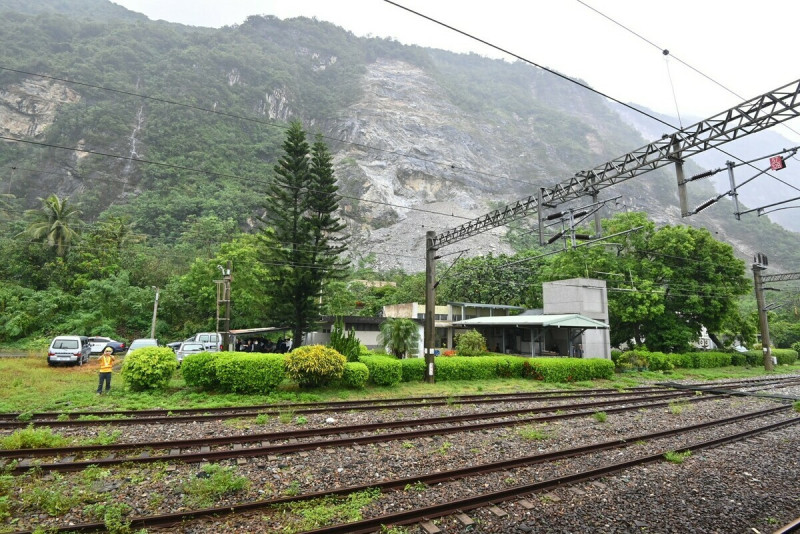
x: 188, y: 348
x: 97, y: 344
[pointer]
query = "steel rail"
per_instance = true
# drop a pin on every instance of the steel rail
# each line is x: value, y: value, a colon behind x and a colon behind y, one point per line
x: 204, y: 456
x: 232, y: 413
x: 164, y: 520
x: 295, y: 434
x: 314, y: 407
x: 239, y: 414
x: 412, y: 516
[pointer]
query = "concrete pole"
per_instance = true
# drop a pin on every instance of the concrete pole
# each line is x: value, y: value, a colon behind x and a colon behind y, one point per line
x: 155, y: 313
x: 762, y: 316
x: 430, y: 307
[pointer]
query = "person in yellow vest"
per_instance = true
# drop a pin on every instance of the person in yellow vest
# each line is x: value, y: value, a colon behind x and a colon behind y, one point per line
x: 106, y: 362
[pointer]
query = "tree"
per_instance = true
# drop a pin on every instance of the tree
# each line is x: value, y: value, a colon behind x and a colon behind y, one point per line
x: 301, y: 236
x: 665, y: 284
x: 56, y: 222
x: 400, y: 336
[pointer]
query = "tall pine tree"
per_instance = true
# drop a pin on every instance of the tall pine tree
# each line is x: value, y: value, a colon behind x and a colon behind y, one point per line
x: 301, y: 233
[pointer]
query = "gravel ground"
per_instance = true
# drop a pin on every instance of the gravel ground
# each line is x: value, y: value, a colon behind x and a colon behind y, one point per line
x: 749, y: 486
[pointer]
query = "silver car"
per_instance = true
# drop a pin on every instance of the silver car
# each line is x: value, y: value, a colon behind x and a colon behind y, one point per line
x: 188, y: 348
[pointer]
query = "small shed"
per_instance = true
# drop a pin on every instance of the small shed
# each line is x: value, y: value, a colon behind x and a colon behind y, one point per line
x: 536, y: 334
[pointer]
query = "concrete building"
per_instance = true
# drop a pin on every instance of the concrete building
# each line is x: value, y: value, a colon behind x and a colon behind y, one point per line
x: 574, y: 322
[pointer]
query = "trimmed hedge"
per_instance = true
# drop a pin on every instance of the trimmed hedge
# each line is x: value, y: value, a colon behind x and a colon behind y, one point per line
x: 384, y: 370
x: 198, y: 370
x: 243, y: 372
x: 785, y: 356
x: 413, y: 369
x: 149, y: 368
x: 355, y: 375
x: 568, y: 369
x: 658, y: 361
x: 491, y: 367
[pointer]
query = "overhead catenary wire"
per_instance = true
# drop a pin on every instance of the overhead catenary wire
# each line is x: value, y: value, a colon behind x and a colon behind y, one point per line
x: 576, y: 82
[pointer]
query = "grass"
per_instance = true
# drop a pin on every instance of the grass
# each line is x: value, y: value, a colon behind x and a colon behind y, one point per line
x: 308, y: 515
x: 677, y: 457
x: 678, y: 407
x: 531, y: 433
x: 600, y: 417
x: 31, y: 386
x: 213, y: 482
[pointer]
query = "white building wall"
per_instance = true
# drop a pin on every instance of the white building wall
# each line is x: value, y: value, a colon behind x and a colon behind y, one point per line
x: 587, y: 297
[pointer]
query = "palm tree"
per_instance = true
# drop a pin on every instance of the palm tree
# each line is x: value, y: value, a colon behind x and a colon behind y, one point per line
x: 56, y: 222
x: 120, y: 231
x: 400, y: 336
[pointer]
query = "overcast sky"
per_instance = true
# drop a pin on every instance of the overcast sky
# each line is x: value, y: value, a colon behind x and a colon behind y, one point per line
x: 743, y: 47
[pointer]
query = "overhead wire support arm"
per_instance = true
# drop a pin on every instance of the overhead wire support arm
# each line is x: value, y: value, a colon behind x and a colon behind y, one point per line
x: 749, y: 117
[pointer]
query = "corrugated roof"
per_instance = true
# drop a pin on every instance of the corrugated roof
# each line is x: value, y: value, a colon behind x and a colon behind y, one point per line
x: 568, y: 320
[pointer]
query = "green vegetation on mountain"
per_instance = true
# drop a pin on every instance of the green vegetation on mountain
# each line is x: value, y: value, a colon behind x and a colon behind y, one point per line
x: 164, y: 141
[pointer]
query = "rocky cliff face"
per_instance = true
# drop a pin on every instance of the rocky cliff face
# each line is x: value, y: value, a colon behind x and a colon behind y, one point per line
x: 29, y: 107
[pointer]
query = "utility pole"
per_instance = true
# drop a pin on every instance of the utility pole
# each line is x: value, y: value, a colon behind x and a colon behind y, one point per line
x: 430, y: 307
x: 224, y: 299
x: 155, y: 313
x: 759, y: 264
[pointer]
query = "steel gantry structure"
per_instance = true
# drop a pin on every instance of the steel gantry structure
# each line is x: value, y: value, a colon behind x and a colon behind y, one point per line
x: 751, y: 116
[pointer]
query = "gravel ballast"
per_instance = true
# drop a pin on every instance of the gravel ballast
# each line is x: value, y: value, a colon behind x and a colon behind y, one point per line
x: 747, y: 486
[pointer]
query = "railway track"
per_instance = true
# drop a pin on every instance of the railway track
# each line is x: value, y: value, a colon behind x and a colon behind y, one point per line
x: 156, y: 416
x: 343, y: 436
x: 132, y: 417
x: 419, y: 514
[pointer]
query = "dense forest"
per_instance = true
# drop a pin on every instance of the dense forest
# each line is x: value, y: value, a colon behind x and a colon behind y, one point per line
x: 138, y: 155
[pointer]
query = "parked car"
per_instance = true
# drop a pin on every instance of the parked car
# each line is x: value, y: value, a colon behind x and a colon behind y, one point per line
x: 187, y: 348
x: 68, y: 349
x: 144, y: 342
x: 98, y: 345
x: 175, y: 345
x: 211, y: 340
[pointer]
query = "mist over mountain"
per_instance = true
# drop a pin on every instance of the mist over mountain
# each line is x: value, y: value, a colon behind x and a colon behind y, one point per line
x: 167, y: 123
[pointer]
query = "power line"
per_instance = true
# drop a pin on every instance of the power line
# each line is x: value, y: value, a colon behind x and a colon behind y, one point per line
x: 584, y: 86
x: 254, y: 120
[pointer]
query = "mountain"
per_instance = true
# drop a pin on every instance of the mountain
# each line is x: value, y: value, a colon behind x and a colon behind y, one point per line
x: 169, y: 124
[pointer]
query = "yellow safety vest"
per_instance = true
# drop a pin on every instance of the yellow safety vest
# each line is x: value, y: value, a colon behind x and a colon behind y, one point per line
x: 105, y: 363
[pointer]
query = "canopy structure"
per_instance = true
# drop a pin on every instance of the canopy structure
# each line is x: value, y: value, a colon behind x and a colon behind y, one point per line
x: 534, y: 334
x: 567, y: 320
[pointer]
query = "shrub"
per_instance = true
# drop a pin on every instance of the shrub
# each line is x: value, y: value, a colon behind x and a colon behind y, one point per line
x: 346, y: 344
x: 314, y: 365
x: 632, y: 359
x: 785, y: 356
x: 243, y: 372
x: 385, y: 370
x: 149, y: 368
x: 658, y: 361
x: 471, y: 343
x: 412, y: 369
x: 707, y: 360
x: 737, y: 358
x: 355, y: 375
x: 570, y: 369
x: 199, y: 371
x: 754, y: 357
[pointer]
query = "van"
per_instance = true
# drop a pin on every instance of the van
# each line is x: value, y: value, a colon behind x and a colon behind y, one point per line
x: 69, y: 349
x: 212, y: 341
